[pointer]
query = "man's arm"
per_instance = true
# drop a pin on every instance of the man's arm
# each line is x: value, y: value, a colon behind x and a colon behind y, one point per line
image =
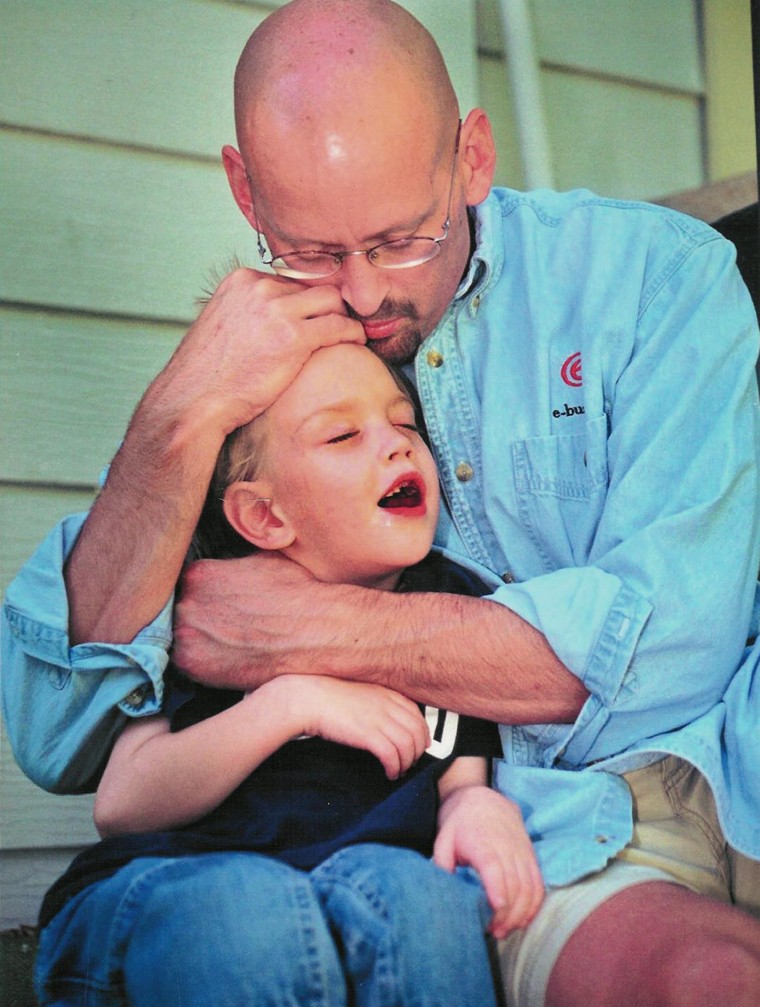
x: 77, y: 664
x: 651, y: 610
x: 444, y: 650
x: 248, y: 344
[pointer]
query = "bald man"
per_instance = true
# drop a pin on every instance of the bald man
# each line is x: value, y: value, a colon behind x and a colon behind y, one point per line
x: 586, y: 369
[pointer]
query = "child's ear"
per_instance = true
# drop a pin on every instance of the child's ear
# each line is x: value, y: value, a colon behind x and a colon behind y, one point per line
x: 250, y: 509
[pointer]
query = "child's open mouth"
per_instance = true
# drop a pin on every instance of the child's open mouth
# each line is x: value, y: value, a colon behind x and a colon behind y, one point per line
x: 407, y: 493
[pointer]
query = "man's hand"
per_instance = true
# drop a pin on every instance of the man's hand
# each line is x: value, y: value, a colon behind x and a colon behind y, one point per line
x: 370, y: 717
x: 483, y: 829
x: 250, y: 341
x: 239, y: 622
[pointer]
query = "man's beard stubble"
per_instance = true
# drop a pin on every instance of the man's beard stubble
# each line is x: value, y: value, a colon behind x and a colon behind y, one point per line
x: 401, y: 347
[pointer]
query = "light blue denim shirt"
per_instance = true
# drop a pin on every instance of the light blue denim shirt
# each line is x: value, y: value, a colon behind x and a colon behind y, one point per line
x: 592, y: 402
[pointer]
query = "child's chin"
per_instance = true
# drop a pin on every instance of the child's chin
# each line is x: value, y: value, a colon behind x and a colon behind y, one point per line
x: 418, y: 554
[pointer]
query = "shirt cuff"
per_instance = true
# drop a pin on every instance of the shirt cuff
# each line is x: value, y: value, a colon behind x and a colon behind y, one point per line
x: 37, y: 613
x: 593, y: 623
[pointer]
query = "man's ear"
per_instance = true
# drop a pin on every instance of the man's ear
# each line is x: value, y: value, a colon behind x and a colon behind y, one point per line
x: 237, y: 176
x: 250, y: 509
x: 479, y: 155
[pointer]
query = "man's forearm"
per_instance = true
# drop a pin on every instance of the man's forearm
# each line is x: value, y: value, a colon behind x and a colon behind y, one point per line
x: 235, y: 627
x: 129, y: 554
x: 466, y: 654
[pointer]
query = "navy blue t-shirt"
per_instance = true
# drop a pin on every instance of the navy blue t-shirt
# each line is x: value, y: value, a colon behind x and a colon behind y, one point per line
x: 310, y: 798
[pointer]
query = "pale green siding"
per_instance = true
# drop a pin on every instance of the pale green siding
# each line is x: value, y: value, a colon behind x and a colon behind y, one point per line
x: 115, y: 215
x: 91, y: 371
x: 622, y: 91
x: 115, y: 212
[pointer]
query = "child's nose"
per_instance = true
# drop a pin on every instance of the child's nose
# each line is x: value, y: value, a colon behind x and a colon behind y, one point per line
x: 398, y: 444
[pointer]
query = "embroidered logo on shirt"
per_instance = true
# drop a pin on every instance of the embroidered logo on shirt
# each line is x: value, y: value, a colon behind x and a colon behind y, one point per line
x: 571, y: 371
x: 568, y: 411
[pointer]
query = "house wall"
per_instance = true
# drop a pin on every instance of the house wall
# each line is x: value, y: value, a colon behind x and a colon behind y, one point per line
x: 115, y: 214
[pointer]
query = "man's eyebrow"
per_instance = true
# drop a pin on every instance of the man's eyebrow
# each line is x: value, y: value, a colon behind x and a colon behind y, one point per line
x: 407, y: 227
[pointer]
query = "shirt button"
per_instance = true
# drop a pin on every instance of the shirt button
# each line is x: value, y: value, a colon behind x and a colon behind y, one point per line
x: 508, y: 577
x: 476, y: 302
x: 464, y: 472
x: 434, y: 358
x: 137, y: 696
x: 601, y: 839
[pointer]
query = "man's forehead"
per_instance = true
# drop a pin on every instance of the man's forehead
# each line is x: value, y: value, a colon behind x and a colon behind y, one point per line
x: 336, y: 204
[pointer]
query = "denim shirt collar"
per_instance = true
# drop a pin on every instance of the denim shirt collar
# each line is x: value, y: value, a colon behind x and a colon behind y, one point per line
x: 487, y: 259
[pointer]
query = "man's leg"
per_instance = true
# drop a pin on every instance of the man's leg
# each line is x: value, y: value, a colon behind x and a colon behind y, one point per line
x: 745, y: 881
x: 229, y: 928
x: 659, y: 945
x: 657, y: 926
x: 412, y: 935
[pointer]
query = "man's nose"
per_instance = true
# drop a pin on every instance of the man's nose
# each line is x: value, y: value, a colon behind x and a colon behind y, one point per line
x: 363, y: 286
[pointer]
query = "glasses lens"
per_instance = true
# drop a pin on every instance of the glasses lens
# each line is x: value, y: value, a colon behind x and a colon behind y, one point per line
x: 306, y: 265
x: 401, y: 254
x: 404, y: 253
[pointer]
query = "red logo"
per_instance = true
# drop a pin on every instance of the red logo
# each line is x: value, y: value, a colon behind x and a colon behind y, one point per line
x: 571, y: 371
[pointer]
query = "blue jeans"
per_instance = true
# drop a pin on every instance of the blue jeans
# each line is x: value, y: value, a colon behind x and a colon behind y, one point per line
x: 373, y: 926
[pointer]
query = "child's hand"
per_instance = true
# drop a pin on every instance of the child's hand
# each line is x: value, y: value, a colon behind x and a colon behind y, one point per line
x: 361, y: 715
x: 483, y: 829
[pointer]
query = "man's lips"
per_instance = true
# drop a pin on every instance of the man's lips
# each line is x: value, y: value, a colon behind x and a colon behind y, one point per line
x: 381, y: 329
x: 405, y: 496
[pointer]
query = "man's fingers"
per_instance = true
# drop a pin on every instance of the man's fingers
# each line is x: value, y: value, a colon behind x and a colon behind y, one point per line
x: 328, y: 330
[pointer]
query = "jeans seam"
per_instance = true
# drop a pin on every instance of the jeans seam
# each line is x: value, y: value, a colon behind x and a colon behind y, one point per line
x: 386, y: 963
x: 317, y: 978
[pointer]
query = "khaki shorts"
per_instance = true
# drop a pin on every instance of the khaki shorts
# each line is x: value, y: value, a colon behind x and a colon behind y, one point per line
x: 676, y: 838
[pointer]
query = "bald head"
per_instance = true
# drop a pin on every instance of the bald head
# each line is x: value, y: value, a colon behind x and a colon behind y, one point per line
x: 350, y: 139
x: 317, y: 71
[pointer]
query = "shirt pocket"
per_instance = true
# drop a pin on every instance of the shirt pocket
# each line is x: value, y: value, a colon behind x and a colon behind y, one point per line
x: 561, y: 486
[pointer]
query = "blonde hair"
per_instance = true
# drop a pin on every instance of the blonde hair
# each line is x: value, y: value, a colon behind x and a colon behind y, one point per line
x: 240, y: 459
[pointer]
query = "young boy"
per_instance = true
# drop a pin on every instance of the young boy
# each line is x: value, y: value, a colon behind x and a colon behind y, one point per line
x: 322, y: 796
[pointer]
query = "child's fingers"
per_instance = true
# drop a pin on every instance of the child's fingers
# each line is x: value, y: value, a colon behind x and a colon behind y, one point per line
x: 495, y: 880
x: 525, y: 892
x: 405, y: 724
x: 387, y: 753
x: 444, y: 852
x: 396, y: 746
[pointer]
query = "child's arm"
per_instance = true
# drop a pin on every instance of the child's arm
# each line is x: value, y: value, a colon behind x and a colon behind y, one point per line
x: 482, y: 828
x: 156, y: 779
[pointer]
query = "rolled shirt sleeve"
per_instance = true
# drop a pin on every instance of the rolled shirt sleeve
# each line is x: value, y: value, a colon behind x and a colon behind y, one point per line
x: 64, y: 705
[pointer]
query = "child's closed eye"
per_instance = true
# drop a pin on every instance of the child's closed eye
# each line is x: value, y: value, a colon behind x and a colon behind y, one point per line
x: 342, y: 437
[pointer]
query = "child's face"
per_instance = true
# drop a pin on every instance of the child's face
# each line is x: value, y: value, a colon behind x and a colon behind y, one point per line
x: 349, y: 471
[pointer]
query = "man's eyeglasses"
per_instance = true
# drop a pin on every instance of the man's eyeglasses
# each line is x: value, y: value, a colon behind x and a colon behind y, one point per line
x: 401, y: 253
